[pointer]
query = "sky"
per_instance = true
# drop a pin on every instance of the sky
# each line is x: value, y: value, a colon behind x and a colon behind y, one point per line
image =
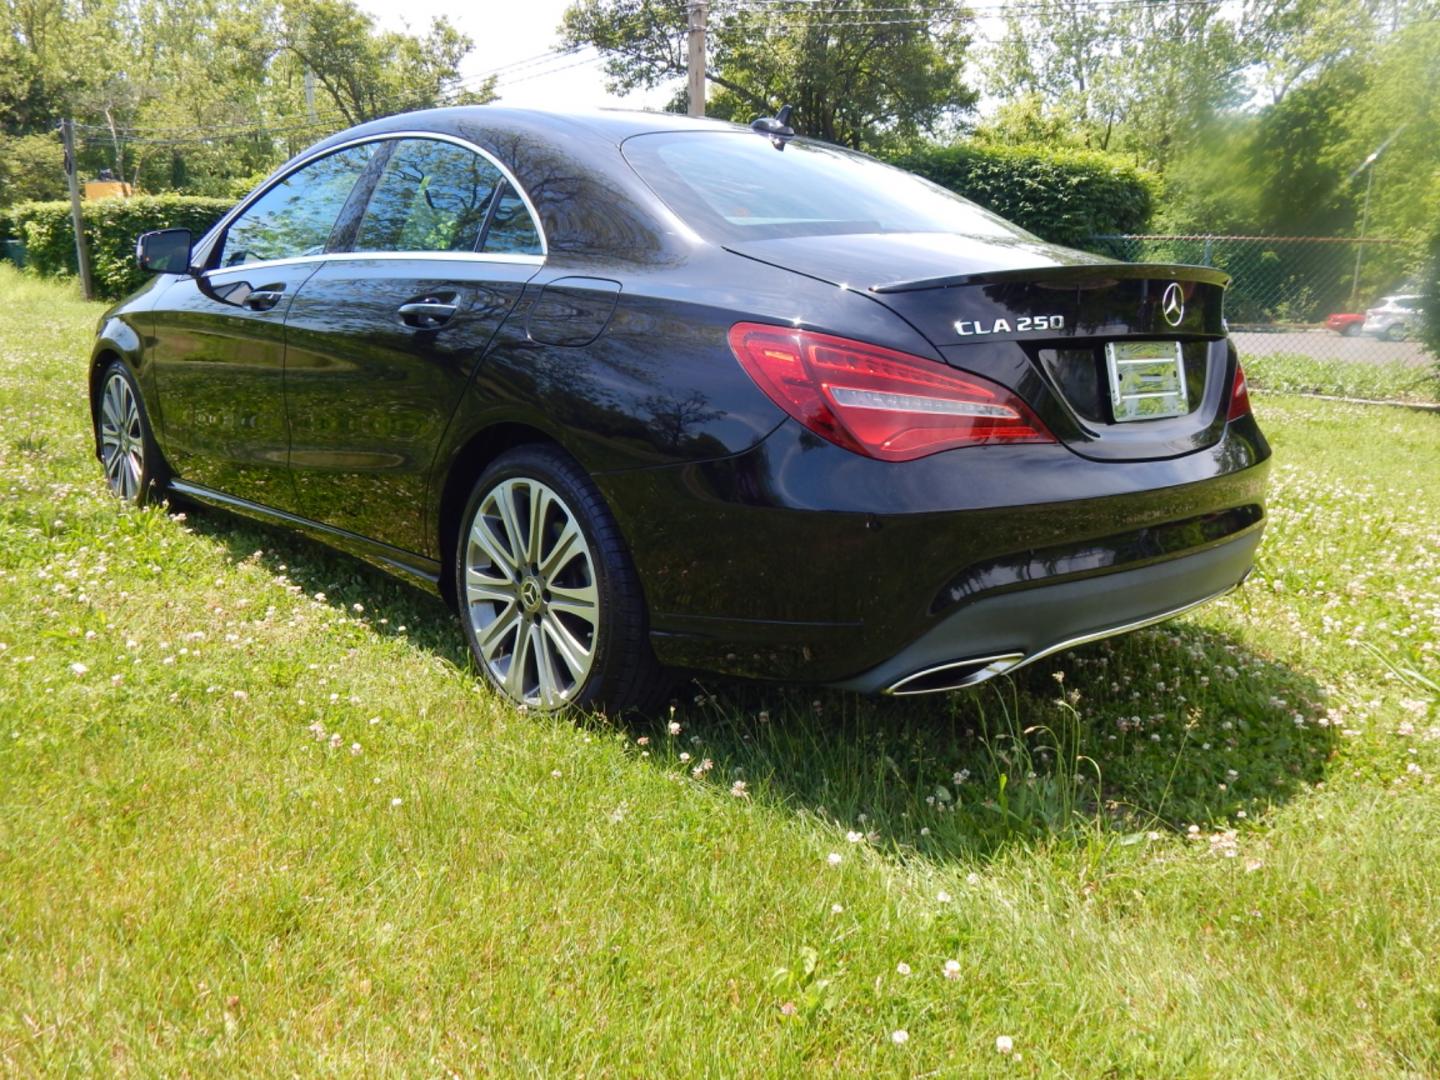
x: 505, y: 33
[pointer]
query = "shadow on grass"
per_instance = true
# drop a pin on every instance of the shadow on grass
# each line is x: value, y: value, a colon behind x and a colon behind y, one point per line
x: 1166, y: 728
x: 1163, y: 729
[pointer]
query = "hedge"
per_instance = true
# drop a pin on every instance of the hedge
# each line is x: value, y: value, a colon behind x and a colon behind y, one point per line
x: 1064, y: 196
x: 111, y: 227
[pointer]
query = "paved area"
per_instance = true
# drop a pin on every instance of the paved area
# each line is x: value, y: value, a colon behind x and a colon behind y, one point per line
x: 1326, y: 345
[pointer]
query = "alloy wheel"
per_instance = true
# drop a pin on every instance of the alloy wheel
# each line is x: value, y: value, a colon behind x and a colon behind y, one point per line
x: 531, y: 594
x: 122, y: 438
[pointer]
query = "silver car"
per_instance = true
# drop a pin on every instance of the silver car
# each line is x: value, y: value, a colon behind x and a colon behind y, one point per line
x: 1395, y: 318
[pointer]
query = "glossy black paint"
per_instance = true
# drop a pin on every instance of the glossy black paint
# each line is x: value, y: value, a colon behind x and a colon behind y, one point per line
x: 763, y: 550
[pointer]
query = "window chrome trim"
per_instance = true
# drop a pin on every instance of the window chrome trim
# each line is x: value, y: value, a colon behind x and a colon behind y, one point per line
x: 361, y: 256
x: 384, y: 136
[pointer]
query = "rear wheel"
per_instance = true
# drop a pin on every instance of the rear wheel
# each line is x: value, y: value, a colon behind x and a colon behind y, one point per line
x: 549, y: 599
x: 1396, y: 332
x: 134, y: 469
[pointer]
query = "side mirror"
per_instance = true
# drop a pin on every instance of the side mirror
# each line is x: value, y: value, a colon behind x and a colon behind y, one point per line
x: 165, y: 251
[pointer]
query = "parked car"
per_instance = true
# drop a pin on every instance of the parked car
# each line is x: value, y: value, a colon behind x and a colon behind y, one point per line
x: 1395, y: 318
x: 1345, y: 324
x: 639, y: 393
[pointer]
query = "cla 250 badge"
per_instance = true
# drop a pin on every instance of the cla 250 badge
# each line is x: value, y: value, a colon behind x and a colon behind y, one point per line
x: 971, y: 327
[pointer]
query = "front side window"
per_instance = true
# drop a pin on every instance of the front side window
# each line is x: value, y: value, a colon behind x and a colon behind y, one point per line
x: 432, y: 196
x: 737, y: 186
x: 296, y: 217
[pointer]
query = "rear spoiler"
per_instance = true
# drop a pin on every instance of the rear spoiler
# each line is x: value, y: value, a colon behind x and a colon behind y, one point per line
x: 1083, y: 275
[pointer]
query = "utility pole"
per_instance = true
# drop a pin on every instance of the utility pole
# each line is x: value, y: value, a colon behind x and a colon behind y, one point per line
x: 309, y: 94
x: 695, y: 56
x: 77, y: 218
x: 1368, y: 163
x: 1364, y: 224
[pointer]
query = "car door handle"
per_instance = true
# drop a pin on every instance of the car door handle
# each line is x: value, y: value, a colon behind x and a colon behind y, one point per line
x: 264, y: 299
x: 426, y: 314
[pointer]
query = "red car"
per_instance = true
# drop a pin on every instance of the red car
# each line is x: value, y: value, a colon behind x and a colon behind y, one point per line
x: 1347, y: 324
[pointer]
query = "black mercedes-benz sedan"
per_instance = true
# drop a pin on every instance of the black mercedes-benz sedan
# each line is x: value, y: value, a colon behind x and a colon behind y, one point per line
x: 640, y: 393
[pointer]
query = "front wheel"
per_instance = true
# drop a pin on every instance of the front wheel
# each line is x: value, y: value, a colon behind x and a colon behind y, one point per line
x: 549, y: 599
x: 134, y: 469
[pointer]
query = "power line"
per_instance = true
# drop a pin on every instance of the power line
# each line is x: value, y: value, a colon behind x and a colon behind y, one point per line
x: 597, y: 58
x: 135, y: 133
x: 504, y: 70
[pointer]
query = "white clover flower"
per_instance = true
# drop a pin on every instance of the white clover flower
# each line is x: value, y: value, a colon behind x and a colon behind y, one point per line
x: 738, y: 789
x: 900, y: 1037
x: 943, y: 896
x: 834, y: 858
x: 684, y: 756
x: 854, y: 837
x: 78, y: 669
x: 1004, y: 1044
x: 673, y: 727
x: 396, y: 801
x: 555, y: 774
x: 902, y: 968
x: 836, y: 909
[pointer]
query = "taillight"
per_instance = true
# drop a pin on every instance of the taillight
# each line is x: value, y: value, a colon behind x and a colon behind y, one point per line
x: 879, y: 402
x: 1239, y: 395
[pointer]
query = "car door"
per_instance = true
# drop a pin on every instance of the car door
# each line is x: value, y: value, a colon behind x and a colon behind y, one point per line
x: 219, y: 337
x: 382, y: 341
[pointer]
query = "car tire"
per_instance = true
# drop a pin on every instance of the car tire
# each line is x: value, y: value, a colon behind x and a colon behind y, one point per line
x: 549, y: 598
x: 1352, y: 330
x: 135, y: 470
x: 1395, y: 332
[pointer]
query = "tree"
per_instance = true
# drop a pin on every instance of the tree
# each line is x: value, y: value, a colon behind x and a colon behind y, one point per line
x: 862, y: 73
x: 1139, y: 77
x: 31, y: 167
x: 367, y: 73
x: 197, y: 95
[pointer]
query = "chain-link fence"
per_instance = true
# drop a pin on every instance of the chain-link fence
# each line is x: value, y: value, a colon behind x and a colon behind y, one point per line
x: 1312, y: 314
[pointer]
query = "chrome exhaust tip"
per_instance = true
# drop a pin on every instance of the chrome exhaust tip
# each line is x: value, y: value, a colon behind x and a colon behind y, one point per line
x: 955, y: 675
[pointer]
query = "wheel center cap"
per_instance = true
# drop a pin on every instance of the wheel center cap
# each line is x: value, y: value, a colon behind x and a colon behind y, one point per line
x: 531, y: 594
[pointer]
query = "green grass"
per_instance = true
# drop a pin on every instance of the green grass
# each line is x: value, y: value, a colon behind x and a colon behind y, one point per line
x: 1210, y: 849
x: 1389, y: 380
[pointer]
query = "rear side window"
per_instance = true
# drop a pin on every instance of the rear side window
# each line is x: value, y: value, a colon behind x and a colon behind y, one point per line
x: 432, y: 196
x: 296, y: 217
x: 512, y: 231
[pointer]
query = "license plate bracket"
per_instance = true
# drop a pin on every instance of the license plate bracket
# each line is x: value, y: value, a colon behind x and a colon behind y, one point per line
x: 1147, y: 380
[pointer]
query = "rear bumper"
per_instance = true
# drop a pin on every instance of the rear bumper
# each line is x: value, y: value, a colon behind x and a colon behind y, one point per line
x: 803, y: 562
x: 1005, y: 631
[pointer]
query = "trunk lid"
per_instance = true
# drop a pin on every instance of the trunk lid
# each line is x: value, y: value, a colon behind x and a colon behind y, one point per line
x: 1067, y: 331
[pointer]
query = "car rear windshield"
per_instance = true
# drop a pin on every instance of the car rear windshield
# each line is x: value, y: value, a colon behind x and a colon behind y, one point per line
x: 738, y: 186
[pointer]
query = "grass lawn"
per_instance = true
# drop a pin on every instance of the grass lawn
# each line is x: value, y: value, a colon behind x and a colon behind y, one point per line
x: 258, y: 815
x: 1389, y: 380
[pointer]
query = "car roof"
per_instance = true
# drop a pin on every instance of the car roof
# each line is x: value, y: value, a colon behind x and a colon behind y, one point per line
x: 611, y: 125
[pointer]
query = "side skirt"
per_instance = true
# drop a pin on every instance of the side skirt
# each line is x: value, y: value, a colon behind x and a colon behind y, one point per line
x: 415, y: 569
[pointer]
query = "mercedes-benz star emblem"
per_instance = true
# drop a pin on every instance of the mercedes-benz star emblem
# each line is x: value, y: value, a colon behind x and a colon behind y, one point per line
x: 1172, y: 304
